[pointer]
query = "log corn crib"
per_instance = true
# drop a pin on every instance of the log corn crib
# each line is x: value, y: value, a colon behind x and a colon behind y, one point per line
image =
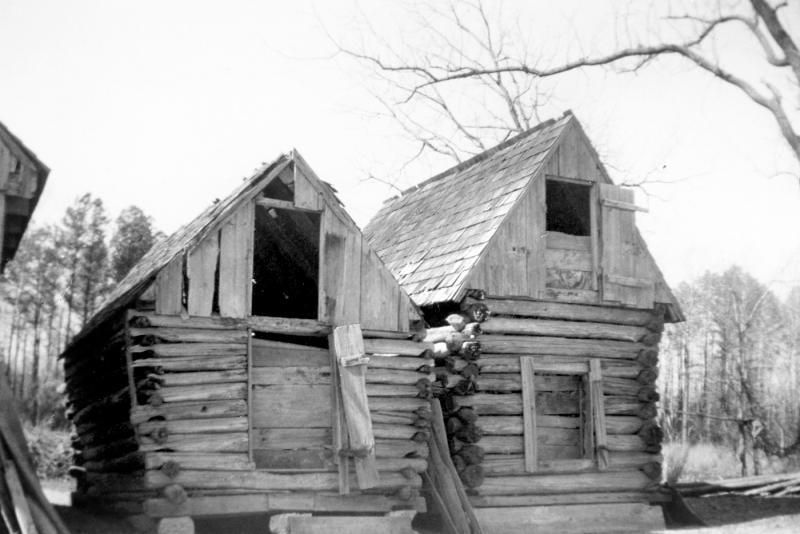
x: 478, y: 377
x: 188, y: 434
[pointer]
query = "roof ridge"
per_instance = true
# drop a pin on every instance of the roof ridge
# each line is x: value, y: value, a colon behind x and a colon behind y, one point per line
x: 485, y: 154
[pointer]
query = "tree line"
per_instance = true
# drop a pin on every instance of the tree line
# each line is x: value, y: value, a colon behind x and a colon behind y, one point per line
x: 57, y: 280
x: 730, y: 374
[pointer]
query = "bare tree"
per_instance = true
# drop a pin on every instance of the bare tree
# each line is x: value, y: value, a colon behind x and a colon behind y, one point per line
x: 480, y: 55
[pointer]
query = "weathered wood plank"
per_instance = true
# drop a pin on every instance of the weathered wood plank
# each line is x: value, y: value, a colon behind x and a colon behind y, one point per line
x: 235, y: 262
x: 190, y: 335
x: 232, y: 442
x: 192, y: 410
x: 564, y: 483
x: 206, y: 393
x: 291, y: 376
x: 196, y: 426
x: 192, y: 363
x: 268, y: 353
x: 598, y: 413
x: 289, y: 406
x: 568, y: 498
x: 262, y: 480
x: 209, y: 462
x: 400, y: 347
x: 169, y: 288
x: 203, y: 377
x: 201, y: 267
x: 529, y: 414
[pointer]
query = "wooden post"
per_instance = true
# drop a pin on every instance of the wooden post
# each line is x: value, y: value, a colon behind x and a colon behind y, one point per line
x: 599, y: 414
x: 529, y: 413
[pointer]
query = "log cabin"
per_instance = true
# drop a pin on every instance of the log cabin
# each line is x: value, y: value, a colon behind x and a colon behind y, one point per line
x: 550, y: 418
x: 259, y: 360
x: 22, y: 179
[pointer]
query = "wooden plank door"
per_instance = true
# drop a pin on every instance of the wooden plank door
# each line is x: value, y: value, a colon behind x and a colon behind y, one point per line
x: 627, y: 278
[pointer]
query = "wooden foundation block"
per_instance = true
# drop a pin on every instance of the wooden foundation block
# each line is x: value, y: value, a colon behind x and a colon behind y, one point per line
x: 390, y: 524
x: 175, y: 525
x: 572, y: 519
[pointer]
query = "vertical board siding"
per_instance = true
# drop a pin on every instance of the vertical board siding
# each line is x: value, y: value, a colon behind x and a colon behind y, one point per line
x: 340, y: 295
x: 201, y: 268
x: 169, y: 288
x: 380, y: 294
x: 236, y: 253
x: 306, y: 195
x: 529, y: 413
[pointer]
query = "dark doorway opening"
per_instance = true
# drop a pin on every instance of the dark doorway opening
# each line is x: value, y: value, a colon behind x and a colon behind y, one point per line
x: 568, y: 208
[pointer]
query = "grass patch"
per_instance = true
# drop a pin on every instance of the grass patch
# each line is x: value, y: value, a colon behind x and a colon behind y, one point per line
x: 51, y: 451
x: 708, y: 461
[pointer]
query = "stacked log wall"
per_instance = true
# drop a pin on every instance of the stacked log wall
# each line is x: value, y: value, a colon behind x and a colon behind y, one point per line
x: 191, y: 438
x: 625, y: 342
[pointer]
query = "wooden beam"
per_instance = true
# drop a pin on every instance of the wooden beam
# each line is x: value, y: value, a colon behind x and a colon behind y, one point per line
x: 529, y: 413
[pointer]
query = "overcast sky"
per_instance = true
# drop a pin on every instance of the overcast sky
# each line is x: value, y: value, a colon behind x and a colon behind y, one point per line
x: 169, y: 104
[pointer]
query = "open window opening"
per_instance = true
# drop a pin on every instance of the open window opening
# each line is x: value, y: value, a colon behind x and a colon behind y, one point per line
x: 563, y: 417
x: 568, y: 207
x: 285, y: 262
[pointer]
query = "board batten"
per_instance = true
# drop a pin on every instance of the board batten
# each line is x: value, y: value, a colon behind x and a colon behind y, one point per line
x: 201, y: 268
x: 380, y: 293
x: 340, y: 295
x: 235, y: 263
x: 169, y: 288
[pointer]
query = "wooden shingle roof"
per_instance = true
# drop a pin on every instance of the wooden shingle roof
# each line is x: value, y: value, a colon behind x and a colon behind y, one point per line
x: 432, y: 235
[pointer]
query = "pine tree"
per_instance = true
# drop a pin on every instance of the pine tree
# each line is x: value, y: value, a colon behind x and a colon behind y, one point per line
x: 132, y: 239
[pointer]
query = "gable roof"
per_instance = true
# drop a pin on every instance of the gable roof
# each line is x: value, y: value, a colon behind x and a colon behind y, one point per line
x: 9, y: 248
x: 184, y: 238
x: 434, y: 233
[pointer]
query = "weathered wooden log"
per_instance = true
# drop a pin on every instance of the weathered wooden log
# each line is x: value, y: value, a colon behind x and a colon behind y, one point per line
x: 192, y: 410
x: 472, y: 454
x: 401, y: 363
x: 472, y: 330
x: 400, y: 347
x: 651, y: 339
x: 566, y: 329
x: 408, y: 403
x: 104, y: 433
x: 652, y: 470
x: 472, y: 476
x: 647, y: 376
x: 211, y: 462
x: 648, y: 394
x: 174, y: 493
x: 470, y: 350
x: 651, y: 433
x: 564, y: 483
x: 384, y: 390
x: 396, y: 377
x: 454, y: 341
x: 216, y: 443
x: 389, y: 431
x: 557, y: 346
x: 625, y: 443
x: 202, y: 378
x: 189, y: 350
x: 190, y: 364
x: 208, y: 392
x: 439, y: 334
x: 475, y: 312
x: 109, y: 450
x: 197, y: 426
x: 147, y: 320
x: 467, y: 415
x: 266, y: 481
x: 469, y: 433
x: 457, y: 321
x: 396, y: 418
x: 187, y: 335
x: 400, y: 448
x: 648, y: 357
x: 567, y: 312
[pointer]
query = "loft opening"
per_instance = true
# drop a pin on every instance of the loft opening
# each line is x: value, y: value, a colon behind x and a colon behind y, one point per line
x: 568, y: 207
x: 285, y: 262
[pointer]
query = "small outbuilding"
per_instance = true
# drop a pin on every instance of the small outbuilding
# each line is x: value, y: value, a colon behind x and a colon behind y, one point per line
x: 259, y: 360
x: 551, y: 412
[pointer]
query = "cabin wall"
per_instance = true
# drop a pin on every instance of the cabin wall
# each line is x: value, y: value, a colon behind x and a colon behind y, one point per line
x: 562, y: 398
x: 219, y: 419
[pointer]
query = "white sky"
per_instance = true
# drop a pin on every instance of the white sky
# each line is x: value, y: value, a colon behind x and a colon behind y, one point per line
x: 168, y: 105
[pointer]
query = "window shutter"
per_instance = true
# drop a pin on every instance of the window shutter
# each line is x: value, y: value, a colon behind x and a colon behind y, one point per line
x: 627, y: 278
x: 348, y: 348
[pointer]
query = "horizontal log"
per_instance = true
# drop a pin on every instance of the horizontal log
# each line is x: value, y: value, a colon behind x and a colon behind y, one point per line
x: 564, y: 483
x: 116, y: 482
x: 558, y: 346
x: 399, y: 347
x: 192, y: 363
x: 398, y: 448
x: 208, y: 462
x: 386, y: 431
x: 387, y: 390
x: 514, y: 464
x: 206, y: 392
x: 231, y: 442
x: 202, y: 378
x: 390, y: 334
x: 218, y: 505
x: 197, y: 426
x: 510, y: 382
x: 399, y: 404
x: 133, y: 461
x: 297, y: 376
x: 567, y: 499
x: 377, y: 361
x: 190, y: 335
x: 567, y: 329
x: 265, y: 481
x: 568, y: 312
x: 394, y: 376
x: 396, y: 418
x: 503, y: 363
x: 623, y: 424
x: 268, y: 353
x: 109, y: 450
x: 146, y: 320
x: 189, y: 350
x: 192, y: 410
x: 625, y: 443
x: 282, y: 325
x: 513, y: 444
